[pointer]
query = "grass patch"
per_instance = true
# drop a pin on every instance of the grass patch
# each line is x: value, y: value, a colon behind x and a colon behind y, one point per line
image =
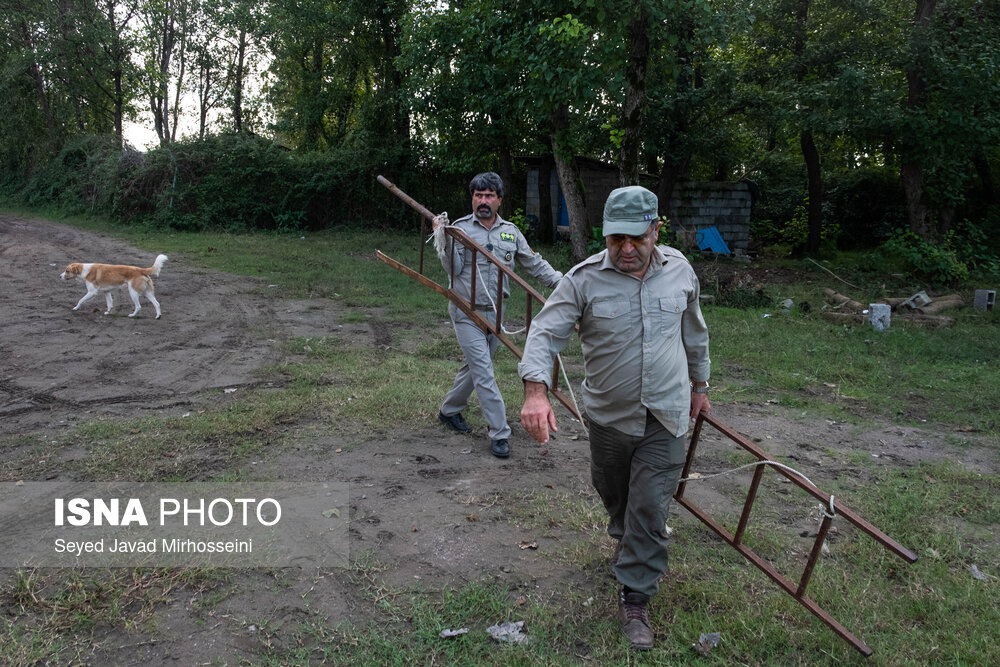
x: 908, y: 374
x: 938, y: 611
x: 52, y: 611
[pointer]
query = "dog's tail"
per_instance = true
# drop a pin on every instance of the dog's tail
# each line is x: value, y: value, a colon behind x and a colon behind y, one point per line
x: 154, y: 270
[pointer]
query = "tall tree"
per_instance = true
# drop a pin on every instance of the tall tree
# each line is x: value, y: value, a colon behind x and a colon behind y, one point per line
x: 568, y: 64
x: 637, y: 42
x: 90, y: 48
x: 167, y: 27
x: 950, y: 108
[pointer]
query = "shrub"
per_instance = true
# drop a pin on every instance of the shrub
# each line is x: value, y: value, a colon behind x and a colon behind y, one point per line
x: 937, y: 263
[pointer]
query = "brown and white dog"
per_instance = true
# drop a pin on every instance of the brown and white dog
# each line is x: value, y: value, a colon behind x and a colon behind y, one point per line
x: 106, y: 277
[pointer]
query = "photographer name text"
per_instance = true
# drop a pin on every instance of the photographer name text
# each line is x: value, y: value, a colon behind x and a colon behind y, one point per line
x: 163, y: 545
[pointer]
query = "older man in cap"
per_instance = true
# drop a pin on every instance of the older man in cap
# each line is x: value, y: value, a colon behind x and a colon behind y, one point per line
x: 645, y: 351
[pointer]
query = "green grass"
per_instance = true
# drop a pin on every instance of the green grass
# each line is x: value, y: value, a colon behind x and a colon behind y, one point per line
x: 66, y: 605
x: 945, y: 376
x: 932, y: 612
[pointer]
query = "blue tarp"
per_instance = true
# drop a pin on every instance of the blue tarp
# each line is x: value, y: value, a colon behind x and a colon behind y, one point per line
x: 710, y: 239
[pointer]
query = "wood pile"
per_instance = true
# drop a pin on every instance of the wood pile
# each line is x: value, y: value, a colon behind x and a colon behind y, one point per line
x: 918, y: 309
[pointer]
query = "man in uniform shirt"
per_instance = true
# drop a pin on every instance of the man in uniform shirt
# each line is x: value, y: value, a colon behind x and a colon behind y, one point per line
x: 645, y: 351
x: 508, y: 244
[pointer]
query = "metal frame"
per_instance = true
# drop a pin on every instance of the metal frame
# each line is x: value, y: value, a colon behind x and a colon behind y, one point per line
x: 797, y: 591
x: 466, y: 306
x: 735, y: 540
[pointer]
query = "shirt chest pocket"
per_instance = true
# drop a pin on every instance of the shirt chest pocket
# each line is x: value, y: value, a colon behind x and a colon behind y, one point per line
x: 505, y: 252
x: 611, y: 317
x: 670, y: 312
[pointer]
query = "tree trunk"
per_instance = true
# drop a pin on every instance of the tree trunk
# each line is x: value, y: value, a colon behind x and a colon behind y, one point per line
x: 314, y: 106
x: 238, y: 82
x: 985, y: 174
x: 670, y: 175
x: 36, y: 76
x: 810, y: 154
x: 506, y: 172
x: 635, y: 97
x: 579, y: 227
x: 918, y: 212
x: 182, y: 67
x: 814, y: 213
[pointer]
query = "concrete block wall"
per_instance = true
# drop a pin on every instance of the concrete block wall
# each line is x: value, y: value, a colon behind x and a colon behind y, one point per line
x: 725, y: 206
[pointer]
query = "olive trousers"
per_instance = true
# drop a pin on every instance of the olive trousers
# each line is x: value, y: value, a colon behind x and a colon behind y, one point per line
x: 636, y: 478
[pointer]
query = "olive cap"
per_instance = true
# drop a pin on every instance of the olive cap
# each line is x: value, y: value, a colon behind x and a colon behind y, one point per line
x: 629, y: 210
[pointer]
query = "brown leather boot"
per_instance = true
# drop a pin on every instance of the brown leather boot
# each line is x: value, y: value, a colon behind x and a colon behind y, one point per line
x: 633, y: 614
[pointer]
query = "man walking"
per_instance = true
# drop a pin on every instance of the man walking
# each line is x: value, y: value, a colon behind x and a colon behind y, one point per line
x: 645, y: 351
x: 508, y: 244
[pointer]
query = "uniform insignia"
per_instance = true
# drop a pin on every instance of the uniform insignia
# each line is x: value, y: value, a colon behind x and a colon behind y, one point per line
x: 508, y: 257
x: 507, y: 236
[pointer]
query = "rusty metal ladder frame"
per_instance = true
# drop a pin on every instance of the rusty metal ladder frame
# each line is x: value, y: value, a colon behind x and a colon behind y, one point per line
x: 735, y: 540
x: 493, y: 327
x: 797, y: 591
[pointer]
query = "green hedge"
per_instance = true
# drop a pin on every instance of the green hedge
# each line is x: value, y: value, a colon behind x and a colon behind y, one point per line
x: 232, y: 183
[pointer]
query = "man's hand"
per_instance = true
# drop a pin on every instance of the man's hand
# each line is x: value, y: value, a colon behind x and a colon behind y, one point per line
x: 536, y: 415
x: 699, y: 403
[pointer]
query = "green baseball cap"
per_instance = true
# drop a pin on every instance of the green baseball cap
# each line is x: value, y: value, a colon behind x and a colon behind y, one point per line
x: 629, y: 210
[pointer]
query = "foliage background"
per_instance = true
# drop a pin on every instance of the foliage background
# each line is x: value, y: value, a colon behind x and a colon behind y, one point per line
x: 860, y: 124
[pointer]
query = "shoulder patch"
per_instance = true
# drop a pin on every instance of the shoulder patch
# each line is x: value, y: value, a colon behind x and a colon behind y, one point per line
x: 508, y: 237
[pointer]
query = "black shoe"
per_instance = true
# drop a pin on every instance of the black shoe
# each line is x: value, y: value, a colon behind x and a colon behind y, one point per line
x: 455, y: 422
x: 500, y: 448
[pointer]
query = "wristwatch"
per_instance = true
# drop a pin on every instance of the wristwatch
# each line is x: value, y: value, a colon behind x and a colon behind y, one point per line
x: 699, y: 390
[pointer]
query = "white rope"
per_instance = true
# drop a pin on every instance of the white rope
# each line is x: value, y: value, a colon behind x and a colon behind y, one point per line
x: 569, y: 385
x: 831, y: 514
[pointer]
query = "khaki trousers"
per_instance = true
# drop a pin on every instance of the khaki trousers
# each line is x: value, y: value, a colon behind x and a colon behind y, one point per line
x: 477, y: 374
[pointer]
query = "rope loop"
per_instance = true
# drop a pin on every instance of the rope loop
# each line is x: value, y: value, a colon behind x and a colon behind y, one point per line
x: 831, y: 514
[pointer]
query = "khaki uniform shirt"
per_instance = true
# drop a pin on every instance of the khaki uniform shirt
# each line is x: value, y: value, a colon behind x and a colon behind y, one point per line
x: 643, y: 340
x: 508, y: 244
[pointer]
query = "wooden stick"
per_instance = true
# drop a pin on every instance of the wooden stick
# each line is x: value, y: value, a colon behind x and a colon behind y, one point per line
x: 832, y: 273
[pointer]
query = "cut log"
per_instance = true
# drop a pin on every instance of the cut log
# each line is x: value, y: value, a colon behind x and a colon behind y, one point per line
x: 912, y: 319
x: 941, y: 303
x: 843, y: 302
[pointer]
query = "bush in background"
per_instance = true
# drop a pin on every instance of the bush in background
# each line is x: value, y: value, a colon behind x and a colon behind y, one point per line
x: 233, y: 183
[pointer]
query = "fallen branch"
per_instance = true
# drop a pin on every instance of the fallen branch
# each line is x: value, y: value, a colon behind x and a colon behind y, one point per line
x: 832, y: 273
